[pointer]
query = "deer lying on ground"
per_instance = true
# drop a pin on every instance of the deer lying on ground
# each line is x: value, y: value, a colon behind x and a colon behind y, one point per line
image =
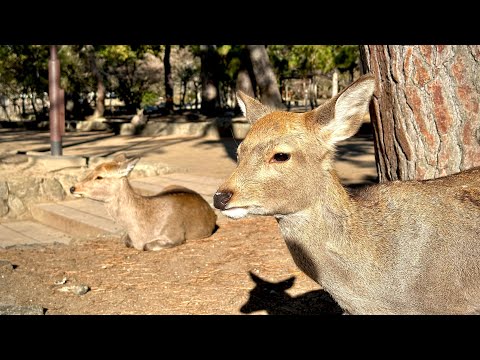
x: 153, y: 222
x: 402, y: 247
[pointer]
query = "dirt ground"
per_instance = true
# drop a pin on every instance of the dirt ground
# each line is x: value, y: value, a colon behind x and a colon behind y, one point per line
x: 243, y: 268
x: 207, y: 276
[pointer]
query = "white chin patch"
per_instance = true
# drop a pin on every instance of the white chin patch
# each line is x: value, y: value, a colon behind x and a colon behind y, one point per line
x: 235, y: 213
x: 77, y: 195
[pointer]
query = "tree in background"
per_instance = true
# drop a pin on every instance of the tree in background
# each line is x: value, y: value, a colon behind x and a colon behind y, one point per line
x: 9, y: 86
x: 132, y: 72
x: 168, y: 79
x: 76, y: 79
x: 186, y: 70
x: 265, y: 76
x: 425, y: 110
x: 25, y: 70
x: 96, y: 68
x: 209, y: 75
x: 245, y: 79
x: 307, y: 73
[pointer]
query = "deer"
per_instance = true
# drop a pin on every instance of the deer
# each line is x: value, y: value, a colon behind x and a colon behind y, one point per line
x: 398, y: 247
x: 164, y: 220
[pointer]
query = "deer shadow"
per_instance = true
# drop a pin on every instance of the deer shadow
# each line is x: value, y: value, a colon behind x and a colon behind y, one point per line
x: 273, y: 298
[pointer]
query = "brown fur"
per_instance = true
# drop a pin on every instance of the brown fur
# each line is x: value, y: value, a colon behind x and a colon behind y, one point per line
x: 409, y: 247
x: 153, y: 222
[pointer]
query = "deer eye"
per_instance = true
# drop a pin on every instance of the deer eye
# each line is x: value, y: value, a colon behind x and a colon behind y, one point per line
x: 280, y: 157
x: 99, y: 178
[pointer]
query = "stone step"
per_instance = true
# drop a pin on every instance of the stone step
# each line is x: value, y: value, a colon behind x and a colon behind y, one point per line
x: 29, y: 232
x: 75, y: 221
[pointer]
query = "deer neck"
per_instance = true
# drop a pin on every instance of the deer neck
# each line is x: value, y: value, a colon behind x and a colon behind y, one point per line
x: 323, y: 227
x: 122, y: 206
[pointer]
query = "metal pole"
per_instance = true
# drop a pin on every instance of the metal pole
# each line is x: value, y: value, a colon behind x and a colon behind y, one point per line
x: 61, y: 110
x: 54, y: 96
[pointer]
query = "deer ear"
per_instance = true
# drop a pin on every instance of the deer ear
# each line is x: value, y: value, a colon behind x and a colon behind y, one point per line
x: 252, y: 109
x: 349, y: 108
x: 120, y: 157
x: 127, y: 166
x: 256, y: 279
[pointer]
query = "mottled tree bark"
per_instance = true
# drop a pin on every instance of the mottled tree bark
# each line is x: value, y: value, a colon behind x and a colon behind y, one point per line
x: 209, y: 79
x: 168, y: 79
x: 264, y: 76
x: 425, y: 110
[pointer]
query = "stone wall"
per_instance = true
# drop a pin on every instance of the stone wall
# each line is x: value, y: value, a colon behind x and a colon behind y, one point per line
x: 26, y: 180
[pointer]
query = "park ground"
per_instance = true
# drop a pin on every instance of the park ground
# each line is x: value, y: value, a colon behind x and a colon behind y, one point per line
x: 205, y: 276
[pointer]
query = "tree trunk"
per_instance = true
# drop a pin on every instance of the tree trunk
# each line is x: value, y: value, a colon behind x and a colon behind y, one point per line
x: 264, y: 76
x: 195, y: 84
x: 244, y: 83
x: 33, y: 101
x: 4, y: 107
x: 100, y: 95
x: 184, y: 93
x: 209, y: 78
x: 425, y: 110
x: 24, y: 111
x: 245, y: 77
x: 168, y: 79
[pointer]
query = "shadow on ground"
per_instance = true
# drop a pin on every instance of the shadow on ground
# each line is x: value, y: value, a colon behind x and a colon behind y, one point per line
x: 273, y: 298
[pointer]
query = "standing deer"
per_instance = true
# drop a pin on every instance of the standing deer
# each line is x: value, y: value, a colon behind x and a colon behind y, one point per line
x: 402, y: 247
x: 153, y: 222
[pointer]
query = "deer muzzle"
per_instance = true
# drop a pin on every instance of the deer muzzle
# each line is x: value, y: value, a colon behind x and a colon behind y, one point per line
x: 221, y: 199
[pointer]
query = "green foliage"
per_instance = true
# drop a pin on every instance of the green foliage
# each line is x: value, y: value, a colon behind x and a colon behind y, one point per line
x: 24, y: 67
x: 135, y: 72
x: 149, y: 98
x: 76, y: 76
x: 306, y: 60
x: 129, y: 71
x: 346, y: 57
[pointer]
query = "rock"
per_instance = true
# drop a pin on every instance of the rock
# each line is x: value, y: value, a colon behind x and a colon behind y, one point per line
x: 55, y: 163
x: 3, y: 190
x: 6, y: 265
x: 11, y: 157
x: 81, y: 289
x: 21, y: 310
x: 53, y: 189
x: 24, y: 187
x: 3, y: 208
x: 90, y: 125
x: 127, y: 129
x: 76, y: 289
x: 16, y: 206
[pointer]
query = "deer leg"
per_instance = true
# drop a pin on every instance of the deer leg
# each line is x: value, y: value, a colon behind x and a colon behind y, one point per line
x: 159, y: 244
x: 126, y: 239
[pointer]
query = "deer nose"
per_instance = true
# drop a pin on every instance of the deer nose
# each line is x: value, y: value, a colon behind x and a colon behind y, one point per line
x: 221, y: 199
x: 72, y: 189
